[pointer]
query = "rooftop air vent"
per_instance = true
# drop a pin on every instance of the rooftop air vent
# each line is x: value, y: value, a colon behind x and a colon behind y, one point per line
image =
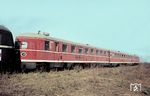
x: 45, y: 34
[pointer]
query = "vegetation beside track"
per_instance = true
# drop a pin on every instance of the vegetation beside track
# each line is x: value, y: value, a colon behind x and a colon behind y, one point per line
x: 113, y: 81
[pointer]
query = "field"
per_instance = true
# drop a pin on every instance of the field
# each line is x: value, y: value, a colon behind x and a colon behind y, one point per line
x: 88, y: 82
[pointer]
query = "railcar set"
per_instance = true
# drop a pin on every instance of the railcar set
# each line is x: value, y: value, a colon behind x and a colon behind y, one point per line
x: 39, y: 50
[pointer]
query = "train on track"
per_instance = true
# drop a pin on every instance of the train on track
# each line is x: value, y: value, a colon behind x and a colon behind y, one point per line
x: 9, y: 56
x: 41, y: 51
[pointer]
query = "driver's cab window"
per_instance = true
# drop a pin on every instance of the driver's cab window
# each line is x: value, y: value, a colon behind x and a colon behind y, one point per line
x: 24, y: 45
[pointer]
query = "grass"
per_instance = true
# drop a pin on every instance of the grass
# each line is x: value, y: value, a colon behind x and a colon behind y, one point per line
x: 87, y: 82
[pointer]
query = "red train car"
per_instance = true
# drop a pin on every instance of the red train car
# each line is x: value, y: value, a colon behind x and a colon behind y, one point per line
x: 39, y: 49
x: 122, y: 58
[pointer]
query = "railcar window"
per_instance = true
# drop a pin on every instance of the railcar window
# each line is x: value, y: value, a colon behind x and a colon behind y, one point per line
x: 101, y: 52
x: 46, y: 45
x: 86, y: 50
x: 6, y: 39
x: 72, y: 49
x: 105, y: 52
x: 112, y: 54
x: 92, y: 51
x: 24, y: 45
x: 64, y: 48
x: 115, y: 54
x: 97, y: 52
x: 80, y: 50
x: 118, y: 55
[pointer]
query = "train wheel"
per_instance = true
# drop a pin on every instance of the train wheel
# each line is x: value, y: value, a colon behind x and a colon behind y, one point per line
x: 24, y: 69
x: 94, y: 65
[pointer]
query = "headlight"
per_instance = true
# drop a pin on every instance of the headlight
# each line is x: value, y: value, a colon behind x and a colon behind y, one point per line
x: 23, y: 54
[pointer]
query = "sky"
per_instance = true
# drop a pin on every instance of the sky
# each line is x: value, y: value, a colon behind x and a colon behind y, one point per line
x: 122, y: 25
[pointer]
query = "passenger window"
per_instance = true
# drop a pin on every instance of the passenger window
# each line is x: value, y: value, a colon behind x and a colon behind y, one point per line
x: 97, y: 52
x: 72, y: 49
x: 24, y: 45
x: 80, y: 50
x: 86, y: 50
x: 64, y: 48
x: 104, y: 52
x: 101, y: 52
x: 92, y: 51
x: 46, y: 45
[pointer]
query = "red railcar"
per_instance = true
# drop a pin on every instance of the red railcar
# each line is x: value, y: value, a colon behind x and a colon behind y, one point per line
x: 37, y: 49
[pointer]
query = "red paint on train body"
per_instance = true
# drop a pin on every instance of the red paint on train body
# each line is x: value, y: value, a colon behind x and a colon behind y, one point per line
x: 38, y: 48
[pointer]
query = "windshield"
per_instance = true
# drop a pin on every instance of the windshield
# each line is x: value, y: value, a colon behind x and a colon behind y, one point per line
x: 6, y: 38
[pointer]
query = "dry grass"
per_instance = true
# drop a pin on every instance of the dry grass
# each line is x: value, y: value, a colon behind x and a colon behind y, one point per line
x: 87, y: 82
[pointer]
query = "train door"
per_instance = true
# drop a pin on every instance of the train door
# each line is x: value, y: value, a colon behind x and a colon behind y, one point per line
x: 56, y: 44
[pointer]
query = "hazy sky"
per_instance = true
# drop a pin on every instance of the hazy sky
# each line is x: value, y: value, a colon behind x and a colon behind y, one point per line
x: 122, y: 25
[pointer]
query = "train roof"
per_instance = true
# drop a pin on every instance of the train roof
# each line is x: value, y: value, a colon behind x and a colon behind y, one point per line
x: 4, y: 28
x: 36, y: 35
x: 40, y: 35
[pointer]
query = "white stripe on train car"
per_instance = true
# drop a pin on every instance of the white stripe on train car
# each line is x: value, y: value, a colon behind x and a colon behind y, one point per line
x: 60, y: 61
x: 26, y: 60
x: 123, y: 62
x: 4, y: 46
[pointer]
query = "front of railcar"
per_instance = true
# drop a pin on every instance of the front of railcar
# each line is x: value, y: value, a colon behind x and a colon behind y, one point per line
x: 7, y: 51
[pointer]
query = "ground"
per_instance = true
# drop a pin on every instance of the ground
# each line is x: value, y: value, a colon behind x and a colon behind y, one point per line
x: 88, y: 82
